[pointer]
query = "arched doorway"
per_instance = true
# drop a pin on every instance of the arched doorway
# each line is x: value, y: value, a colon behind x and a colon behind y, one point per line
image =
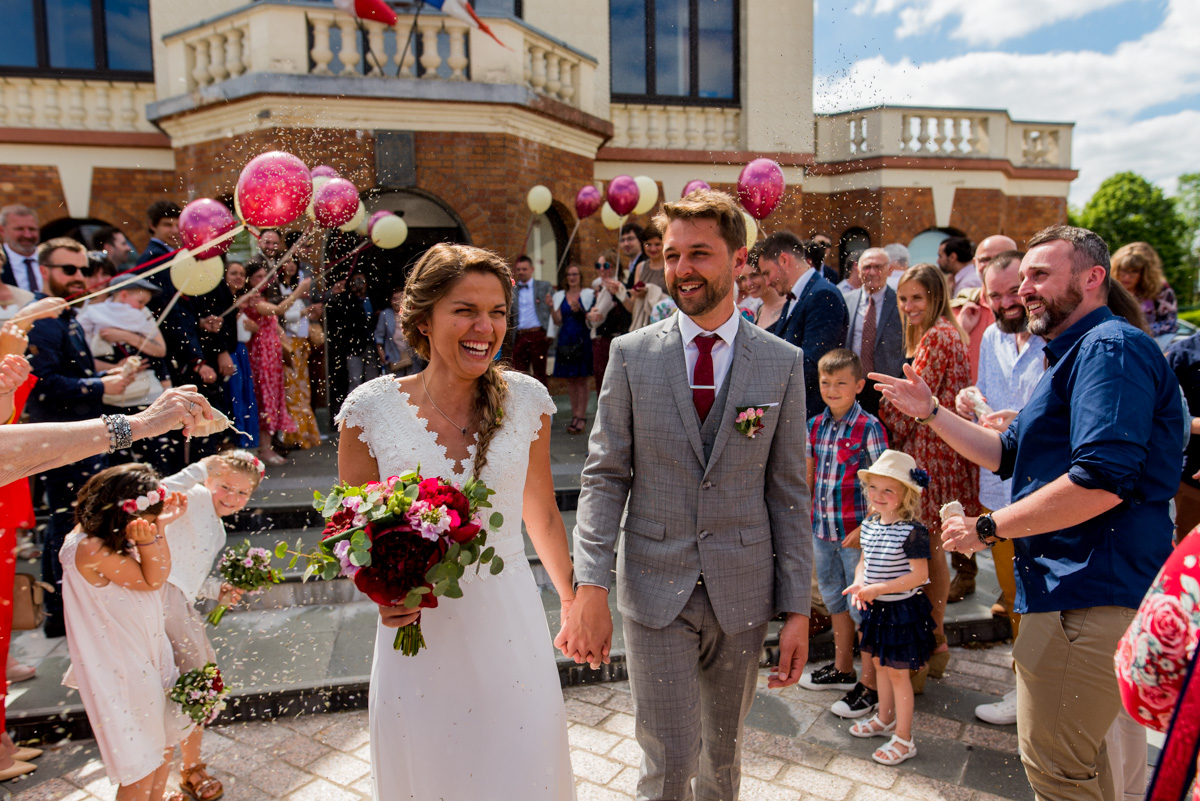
x: 546, y: 244
x: 923, y: 249
x: 81, y: 230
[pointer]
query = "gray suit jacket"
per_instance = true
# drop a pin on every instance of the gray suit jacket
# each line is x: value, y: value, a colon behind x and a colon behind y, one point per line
x: 889, y: 333
x: 743, y: 518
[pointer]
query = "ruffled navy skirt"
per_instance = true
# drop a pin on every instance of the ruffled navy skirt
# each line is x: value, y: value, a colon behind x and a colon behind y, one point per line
x: 899, y: 633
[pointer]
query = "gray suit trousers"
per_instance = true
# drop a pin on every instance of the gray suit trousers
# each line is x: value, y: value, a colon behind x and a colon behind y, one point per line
x: 685, y: 680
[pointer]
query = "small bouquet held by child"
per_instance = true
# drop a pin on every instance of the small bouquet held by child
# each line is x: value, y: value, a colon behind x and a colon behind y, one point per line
x: 405, y: 541
x: 201, y: 693
x: 244, y: 568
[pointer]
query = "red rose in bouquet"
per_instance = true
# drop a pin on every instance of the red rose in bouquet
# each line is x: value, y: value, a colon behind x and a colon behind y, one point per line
x: 399, y: 561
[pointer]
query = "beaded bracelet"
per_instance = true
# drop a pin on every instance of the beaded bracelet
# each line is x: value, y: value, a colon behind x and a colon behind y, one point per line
x: 120, y: 434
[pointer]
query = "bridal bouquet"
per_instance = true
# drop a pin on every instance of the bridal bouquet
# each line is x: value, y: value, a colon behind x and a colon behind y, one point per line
x: 245, y: 568
x: 201, y: 693
x: 405, y: 541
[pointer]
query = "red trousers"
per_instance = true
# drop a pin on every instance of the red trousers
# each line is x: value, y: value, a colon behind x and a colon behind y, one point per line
x: 529, y: 352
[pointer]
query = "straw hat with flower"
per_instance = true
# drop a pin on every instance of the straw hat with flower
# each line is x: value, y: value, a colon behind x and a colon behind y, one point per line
x: 899, y: 466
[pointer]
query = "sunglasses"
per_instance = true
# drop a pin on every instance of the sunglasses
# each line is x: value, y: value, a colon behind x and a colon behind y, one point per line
x: 69, y: 270
x: 602, y: 266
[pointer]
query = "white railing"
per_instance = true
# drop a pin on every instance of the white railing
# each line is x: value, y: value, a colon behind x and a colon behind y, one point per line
x: 942, y: 133
x: 676, y: 127
x: 82, y: 105
x: 316, y: 39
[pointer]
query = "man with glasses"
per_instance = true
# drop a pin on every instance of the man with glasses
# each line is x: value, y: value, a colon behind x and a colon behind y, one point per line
x: 608, y: 317
x: 875, y: 334
x: 68, y: 389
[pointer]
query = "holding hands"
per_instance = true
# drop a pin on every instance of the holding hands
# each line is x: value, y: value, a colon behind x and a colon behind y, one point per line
x: 586, y: 634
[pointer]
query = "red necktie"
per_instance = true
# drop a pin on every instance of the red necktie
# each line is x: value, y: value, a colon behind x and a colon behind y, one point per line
x: 867, y: 349
x: 704, y: 389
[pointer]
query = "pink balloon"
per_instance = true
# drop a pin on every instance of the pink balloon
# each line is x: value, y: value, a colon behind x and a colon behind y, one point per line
x: 760, y: 187
x: 588, y: 201
x: 273, y: 189
x: 203, y: 220
x: 335, y: 203
x: 324, y: 170
x: 376, y: 217
x: 692, y: 186
x: 623, y: 194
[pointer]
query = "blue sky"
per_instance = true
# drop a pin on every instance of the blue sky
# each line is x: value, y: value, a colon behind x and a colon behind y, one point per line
x: 1127, y: 72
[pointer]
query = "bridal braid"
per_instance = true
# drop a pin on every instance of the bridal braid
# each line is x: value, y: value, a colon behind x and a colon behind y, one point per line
x: 431, y: 279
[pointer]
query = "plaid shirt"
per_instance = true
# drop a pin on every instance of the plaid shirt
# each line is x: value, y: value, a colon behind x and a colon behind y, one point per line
x: 840, y: 448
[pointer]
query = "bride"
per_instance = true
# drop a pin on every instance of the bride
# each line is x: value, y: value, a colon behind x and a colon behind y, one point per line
x: 479, y: 712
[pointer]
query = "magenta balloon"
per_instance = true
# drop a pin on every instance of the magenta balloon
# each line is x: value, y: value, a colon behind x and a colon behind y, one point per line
x: 760, y: 187
x: 588, y: 201
x: 324, y: 170
x: 273, y: 189
x: 335, y: 203
x: 623, y: 194
x: 376, y: 217
x: 203, y: 220
x: 692, y: 186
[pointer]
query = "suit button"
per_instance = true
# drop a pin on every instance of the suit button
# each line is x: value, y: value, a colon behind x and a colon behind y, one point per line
x: 704, y: 533
x: 707, y: 485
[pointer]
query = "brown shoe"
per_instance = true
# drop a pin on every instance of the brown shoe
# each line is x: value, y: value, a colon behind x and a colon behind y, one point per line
x: 960, y: 588
x: 1000, y: 608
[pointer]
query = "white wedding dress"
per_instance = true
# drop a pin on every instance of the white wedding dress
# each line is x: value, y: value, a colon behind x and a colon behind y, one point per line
x: 477, y: 714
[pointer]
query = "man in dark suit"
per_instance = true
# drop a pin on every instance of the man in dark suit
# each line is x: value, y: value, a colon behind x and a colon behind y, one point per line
x: 530, y: 320
x: 18, y: 253
x: 814, y: 317
x: 876, y: 332
x: 68, y: 389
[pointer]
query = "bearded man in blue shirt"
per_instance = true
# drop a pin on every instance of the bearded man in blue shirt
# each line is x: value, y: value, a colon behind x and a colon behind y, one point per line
x: 1095, y: 457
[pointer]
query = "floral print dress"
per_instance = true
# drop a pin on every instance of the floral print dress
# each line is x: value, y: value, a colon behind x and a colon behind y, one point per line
x: 942, y: 361
x: 266, y: 362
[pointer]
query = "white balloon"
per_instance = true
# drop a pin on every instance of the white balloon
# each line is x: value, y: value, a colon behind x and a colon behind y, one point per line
x: 389, y: 232
x: 751, y: 230
x: 357, y: 220
x: 193, y: 277
x: 539, y: 199
x: 610, y: 219
x: 648, y: 194
x: 317, y: 182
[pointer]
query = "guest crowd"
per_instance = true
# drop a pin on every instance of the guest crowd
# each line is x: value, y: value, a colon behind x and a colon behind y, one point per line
x: 1012, y: 396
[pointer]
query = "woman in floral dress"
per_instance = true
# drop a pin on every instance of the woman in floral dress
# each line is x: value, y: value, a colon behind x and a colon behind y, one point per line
x: 1140, y: 270
x: 266, y: 362
x: 937, y: 349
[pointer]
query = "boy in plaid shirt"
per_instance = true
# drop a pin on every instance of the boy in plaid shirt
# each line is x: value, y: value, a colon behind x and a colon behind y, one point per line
x: 844, y: 439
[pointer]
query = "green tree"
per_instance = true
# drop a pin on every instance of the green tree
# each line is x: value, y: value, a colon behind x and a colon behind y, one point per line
x: 1187, y: 201
x: 1128, y: 208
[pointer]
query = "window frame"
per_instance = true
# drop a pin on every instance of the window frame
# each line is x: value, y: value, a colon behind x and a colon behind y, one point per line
x: 693, y: 98
x: 43, y: 69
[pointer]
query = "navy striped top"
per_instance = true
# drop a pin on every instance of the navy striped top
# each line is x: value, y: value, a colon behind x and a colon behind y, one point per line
x: 886, y: 550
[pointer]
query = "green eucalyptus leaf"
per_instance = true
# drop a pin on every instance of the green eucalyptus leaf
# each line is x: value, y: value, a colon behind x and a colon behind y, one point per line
x: 411, y: 601
x: 281, y: 550
x: 360, y: 558
x: 292, y: 563
x: 454, y: 592
x: 487, y: 555
x: 497, y: 565
x: 331, y: 572
x: 412, y: 491
x: 496, y: 520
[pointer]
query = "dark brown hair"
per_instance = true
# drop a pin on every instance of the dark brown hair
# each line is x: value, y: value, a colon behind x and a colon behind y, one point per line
x: 98, y: 511
x: 707, y: 204
x: 840, y: 359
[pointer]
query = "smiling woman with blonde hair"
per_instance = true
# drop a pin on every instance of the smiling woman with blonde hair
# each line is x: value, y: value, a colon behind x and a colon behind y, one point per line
x: 1138, y: 268
x: 936, y: 347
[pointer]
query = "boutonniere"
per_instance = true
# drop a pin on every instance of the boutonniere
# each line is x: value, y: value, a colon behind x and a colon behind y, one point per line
x: 749, y: 420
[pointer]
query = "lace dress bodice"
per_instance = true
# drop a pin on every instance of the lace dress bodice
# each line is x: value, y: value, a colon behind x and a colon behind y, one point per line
x: 401, y: 441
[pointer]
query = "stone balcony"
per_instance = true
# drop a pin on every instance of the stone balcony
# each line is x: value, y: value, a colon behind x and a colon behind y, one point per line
x: 939, y: 133
x: 321, y: 47
x: 75, y: 105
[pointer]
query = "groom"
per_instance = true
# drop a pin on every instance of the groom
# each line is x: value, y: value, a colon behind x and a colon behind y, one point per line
x: 717, y: 536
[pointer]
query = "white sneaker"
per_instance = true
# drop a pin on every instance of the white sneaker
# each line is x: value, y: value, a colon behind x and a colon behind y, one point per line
x: 1001, y: 713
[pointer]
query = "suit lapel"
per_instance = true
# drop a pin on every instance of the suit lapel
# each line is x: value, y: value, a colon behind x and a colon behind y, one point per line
x: 739, y: 374
x: 799, y: 302
x: 674, y: 368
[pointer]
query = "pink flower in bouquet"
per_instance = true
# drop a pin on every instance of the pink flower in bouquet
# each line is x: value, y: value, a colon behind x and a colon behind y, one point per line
x: 342, y: 552
x: 248, y: 561
x: 1165, y: 621
x: 428, y: 520
x: 437, y: 493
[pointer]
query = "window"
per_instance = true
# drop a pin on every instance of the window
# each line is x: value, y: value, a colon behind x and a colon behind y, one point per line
x: 674, y: 51
x: 78, y: 38
x: 497, y: 8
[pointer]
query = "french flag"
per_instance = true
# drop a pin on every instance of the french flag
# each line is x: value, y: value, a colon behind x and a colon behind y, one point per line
x: 461, y: 9
x: 377, y: 10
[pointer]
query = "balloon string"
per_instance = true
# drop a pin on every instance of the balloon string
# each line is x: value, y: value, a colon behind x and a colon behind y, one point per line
x: 528, y: 232
x: 274, y: 265
x: 567, y: 249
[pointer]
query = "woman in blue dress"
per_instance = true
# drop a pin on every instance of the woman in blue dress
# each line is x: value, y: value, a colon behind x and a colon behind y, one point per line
x: 241, y: 383
x: 573, y: 350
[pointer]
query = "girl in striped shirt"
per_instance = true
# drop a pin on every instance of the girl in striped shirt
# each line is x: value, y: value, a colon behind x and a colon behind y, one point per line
x: 897, y: 619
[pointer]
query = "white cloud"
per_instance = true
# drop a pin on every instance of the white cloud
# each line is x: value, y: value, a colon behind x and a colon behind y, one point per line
x: 1103, y: 93
x: 987, y: 22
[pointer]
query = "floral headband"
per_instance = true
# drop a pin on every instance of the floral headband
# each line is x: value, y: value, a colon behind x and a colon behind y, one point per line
x: 143, y: 502
x: 258, y: 465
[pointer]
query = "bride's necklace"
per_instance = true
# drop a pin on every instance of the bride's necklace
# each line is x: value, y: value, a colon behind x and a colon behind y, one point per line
x: 463, y: 429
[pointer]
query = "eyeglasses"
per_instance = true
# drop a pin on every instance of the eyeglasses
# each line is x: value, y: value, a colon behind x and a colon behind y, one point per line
x: 603, y: 266
x: 70, y: 269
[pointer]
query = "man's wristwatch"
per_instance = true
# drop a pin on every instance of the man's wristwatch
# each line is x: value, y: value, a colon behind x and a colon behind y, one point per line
x: 985, y: 529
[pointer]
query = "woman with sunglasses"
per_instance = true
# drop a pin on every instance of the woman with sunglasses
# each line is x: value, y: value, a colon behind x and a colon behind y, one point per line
x: 608, y: 317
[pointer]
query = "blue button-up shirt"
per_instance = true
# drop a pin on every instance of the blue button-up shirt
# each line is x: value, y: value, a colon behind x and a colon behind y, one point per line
x: 1007, y: 378
x: 1107, y: 413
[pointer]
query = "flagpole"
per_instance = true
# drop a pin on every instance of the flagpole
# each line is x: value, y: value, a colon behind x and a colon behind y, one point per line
x: 411, y: 33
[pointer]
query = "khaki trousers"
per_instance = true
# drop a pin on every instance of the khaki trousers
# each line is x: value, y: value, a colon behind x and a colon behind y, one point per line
x: 1002, y: 556
x: 1067, y: 699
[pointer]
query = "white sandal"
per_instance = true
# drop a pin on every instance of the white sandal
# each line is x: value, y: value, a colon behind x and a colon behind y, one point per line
x: 872, y: 728
x: 891, y: 755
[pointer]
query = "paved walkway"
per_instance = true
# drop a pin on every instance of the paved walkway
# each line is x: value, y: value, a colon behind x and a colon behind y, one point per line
x: 794, y: 749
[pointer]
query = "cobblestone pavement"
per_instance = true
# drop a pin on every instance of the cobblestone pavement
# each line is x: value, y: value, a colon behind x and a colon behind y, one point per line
x: 794, y: 749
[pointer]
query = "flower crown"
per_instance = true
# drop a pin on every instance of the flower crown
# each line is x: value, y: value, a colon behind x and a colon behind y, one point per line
x: 143, y: 502
x: 262, y: 468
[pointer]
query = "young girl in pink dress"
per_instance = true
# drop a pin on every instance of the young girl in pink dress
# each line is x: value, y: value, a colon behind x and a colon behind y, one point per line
x: 115, y: 563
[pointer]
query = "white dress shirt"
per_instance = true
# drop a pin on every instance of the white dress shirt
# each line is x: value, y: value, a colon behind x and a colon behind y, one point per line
x: 526, y: 308
x: 797, y: 289
x: 722, y: 352
x: 966, y: 278
x: 17, y: 262
x: 196, y: 538
x: 861, y: 318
